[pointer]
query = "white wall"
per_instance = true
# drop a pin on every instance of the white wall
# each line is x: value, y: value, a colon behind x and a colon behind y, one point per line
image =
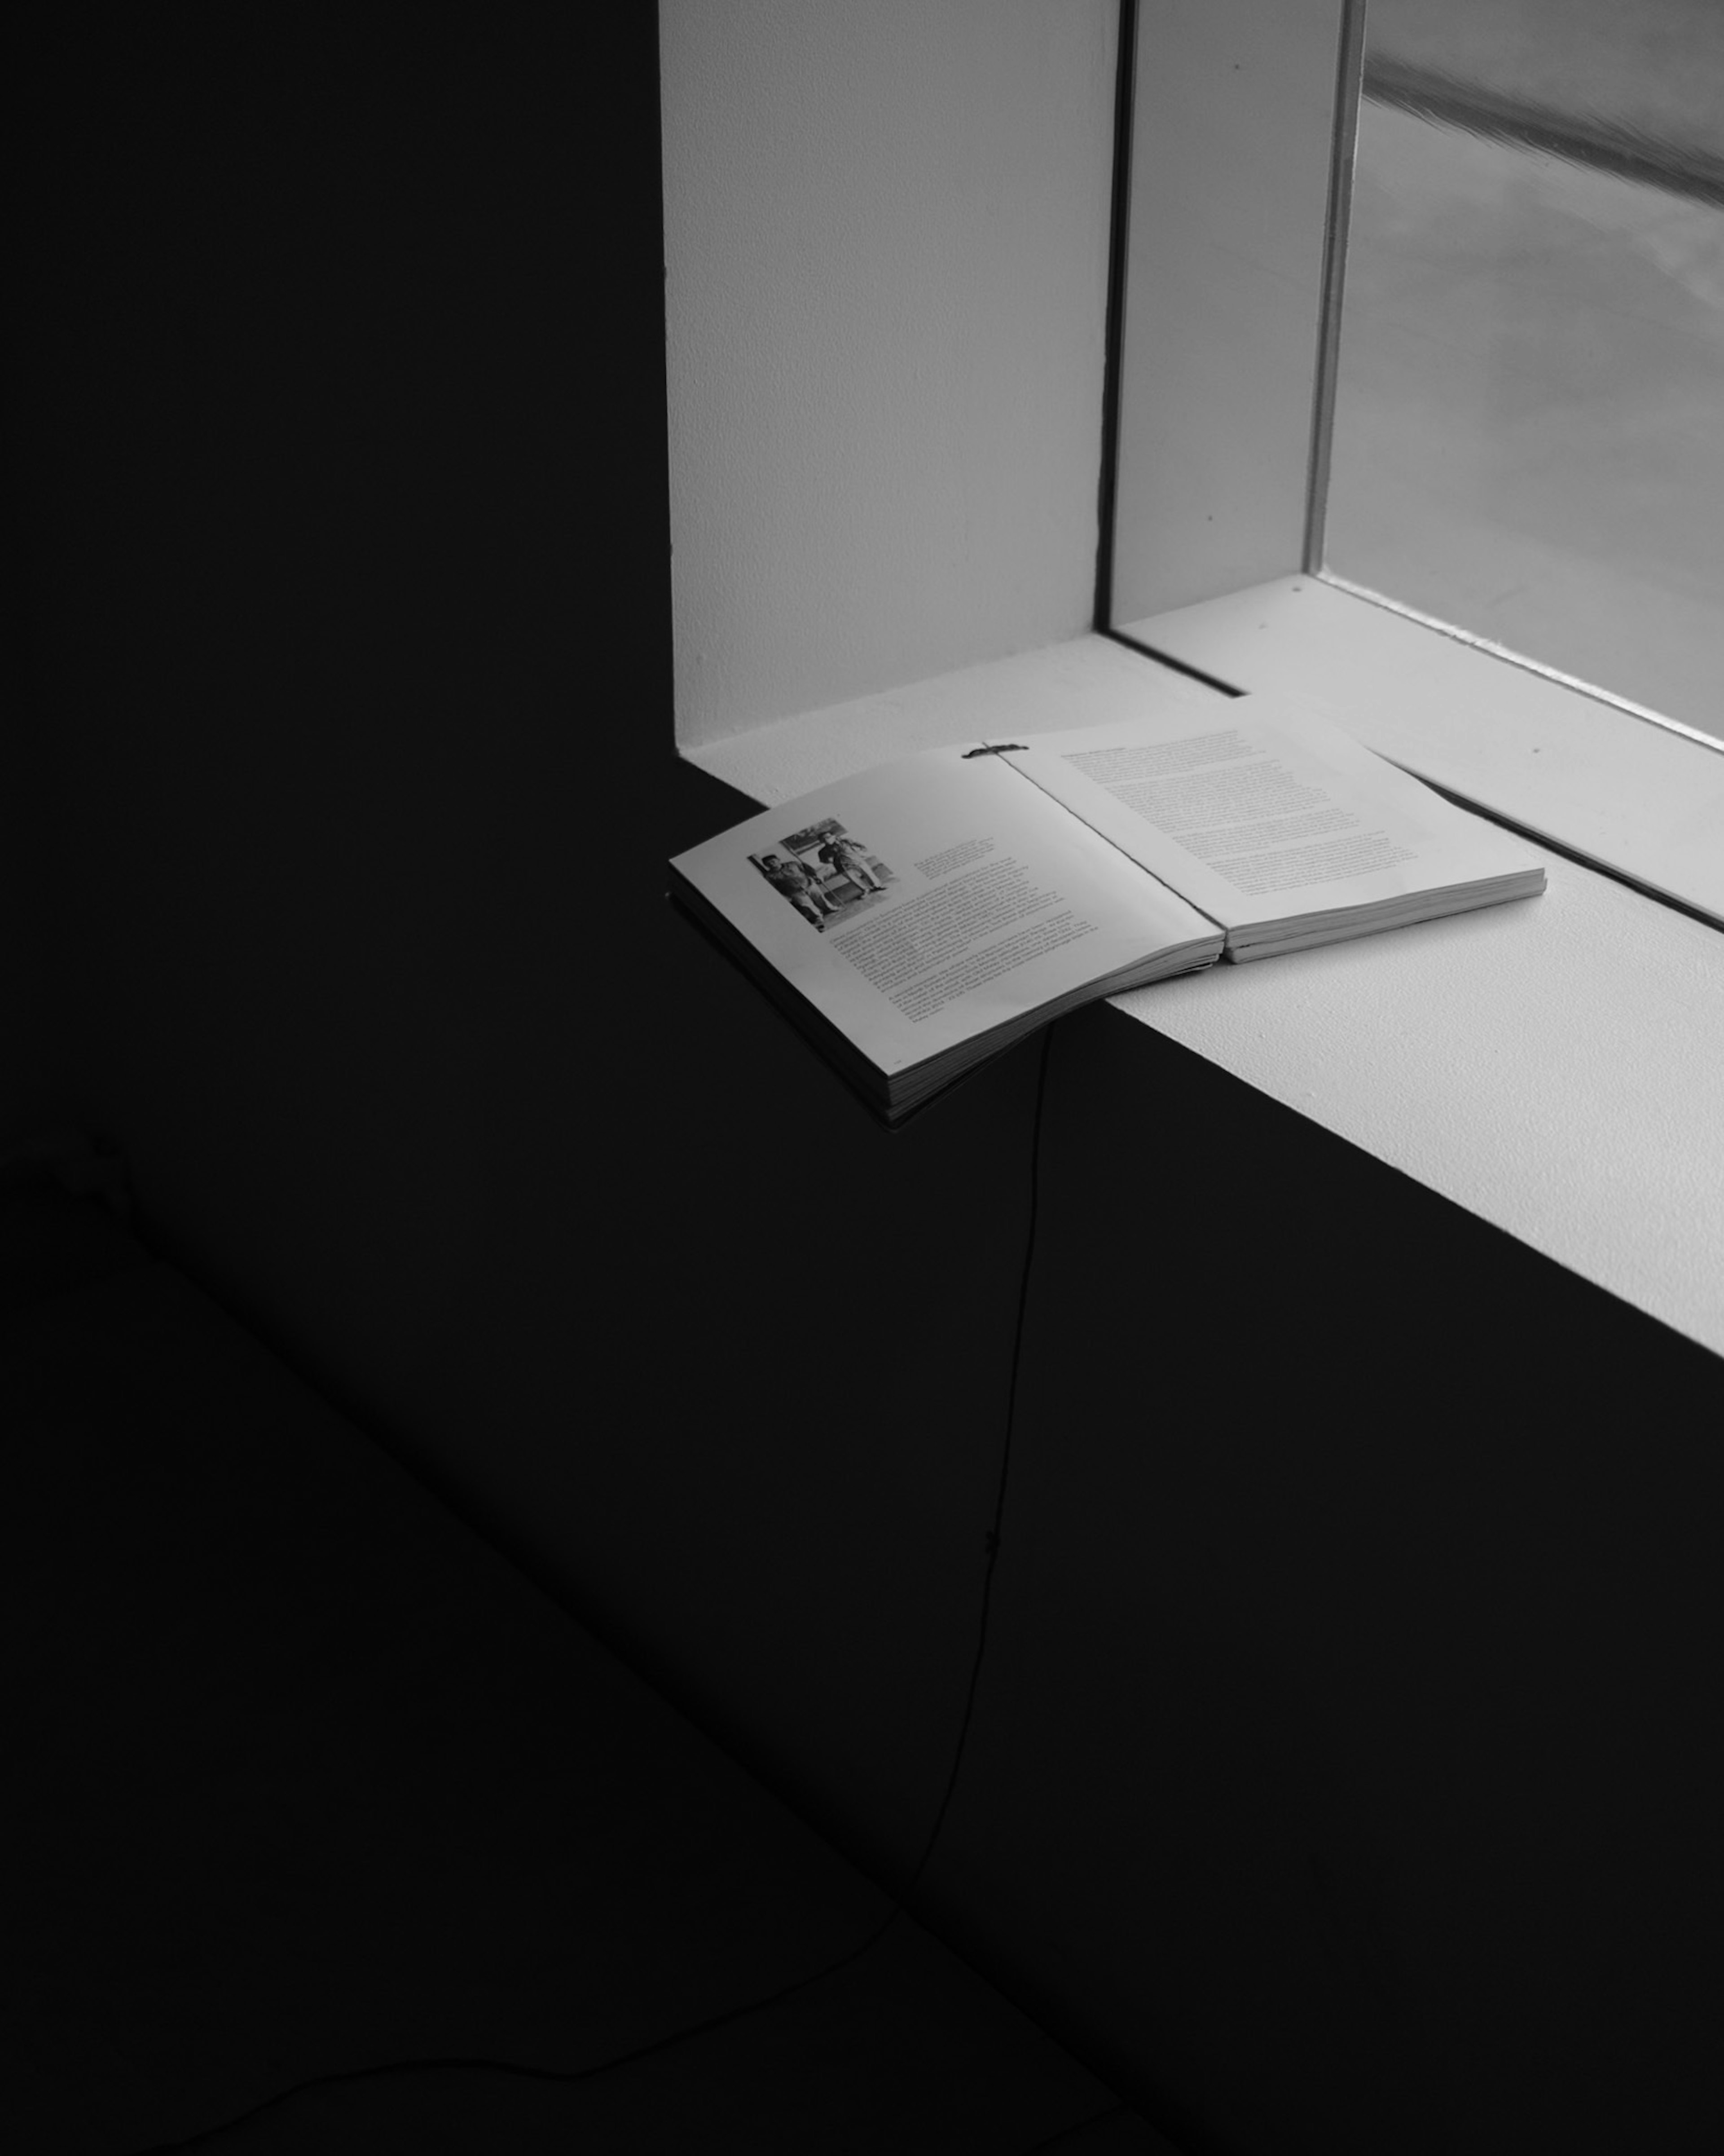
x: 886, y: 230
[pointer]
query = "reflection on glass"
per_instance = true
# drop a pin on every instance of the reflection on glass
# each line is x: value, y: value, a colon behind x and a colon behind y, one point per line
x: 1529, y: 418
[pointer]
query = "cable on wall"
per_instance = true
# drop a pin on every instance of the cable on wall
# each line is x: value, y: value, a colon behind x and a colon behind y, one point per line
x: 901, y: 1901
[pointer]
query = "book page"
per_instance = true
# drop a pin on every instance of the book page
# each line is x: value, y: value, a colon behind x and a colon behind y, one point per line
x: 926, y: 901
x: 1267, y: 810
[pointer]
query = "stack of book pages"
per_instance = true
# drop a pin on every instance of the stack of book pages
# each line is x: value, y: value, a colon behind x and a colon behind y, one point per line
x: 920, y: 917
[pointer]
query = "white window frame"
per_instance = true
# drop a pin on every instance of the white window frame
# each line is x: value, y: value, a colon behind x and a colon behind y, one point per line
x: 1245, y: 117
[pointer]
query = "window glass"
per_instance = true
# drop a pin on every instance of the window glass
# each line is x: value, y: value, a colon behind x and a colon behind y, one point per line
x: 1528, y: 435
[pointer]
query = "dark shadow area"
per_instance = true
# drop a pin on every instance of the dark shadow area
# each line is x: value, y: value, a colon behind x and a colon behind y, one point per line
x: 312, y: 1782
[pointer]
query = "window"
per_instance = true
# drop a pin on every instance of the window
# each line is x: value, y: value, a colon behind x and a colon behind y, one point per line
x: 1507, y: 1063
x: 1244, y: 529
x: 1528, y: 434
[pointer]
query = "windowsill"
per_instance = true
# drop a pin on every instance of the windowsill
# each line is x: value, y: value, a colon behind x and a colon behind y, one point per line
x: 1549, y: 759
x: 1555, y: 1066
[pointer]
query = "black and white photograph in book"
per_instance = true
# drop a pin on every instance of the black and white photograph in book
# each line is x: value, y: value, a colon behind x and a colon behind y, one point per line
x: 825, y: 872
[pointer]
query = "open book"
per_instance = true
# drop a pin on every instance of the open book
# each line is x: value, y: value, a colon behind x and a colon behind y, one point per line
x: 919, y: 917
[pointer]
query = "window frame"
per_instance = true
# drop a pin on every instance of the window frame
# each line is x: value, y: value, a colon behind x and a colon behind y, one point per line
x: 1237, y: 171
x: 1551, y: 1068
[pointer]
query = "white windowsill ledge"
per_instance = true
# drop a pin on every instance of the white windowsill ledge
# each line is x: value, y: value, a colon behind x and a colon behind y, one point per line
x: 1647, y: 800
x: 1555, y: 1066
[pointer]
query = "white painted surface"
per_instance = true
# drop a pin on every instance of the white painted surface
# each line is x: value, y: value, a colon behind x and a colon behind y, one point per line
x: 1089, y: 681
x: 886, y: 233
x: 1229, y: 198
x: 1624, y: 790
x: 1557, y: 1066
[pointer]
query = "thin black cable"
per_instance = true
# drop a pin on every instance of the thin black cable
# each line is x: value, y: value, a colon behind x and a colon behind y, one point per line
x: 992, y: 1543
x: 1064, y: 2137
x: 716, y: 2021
